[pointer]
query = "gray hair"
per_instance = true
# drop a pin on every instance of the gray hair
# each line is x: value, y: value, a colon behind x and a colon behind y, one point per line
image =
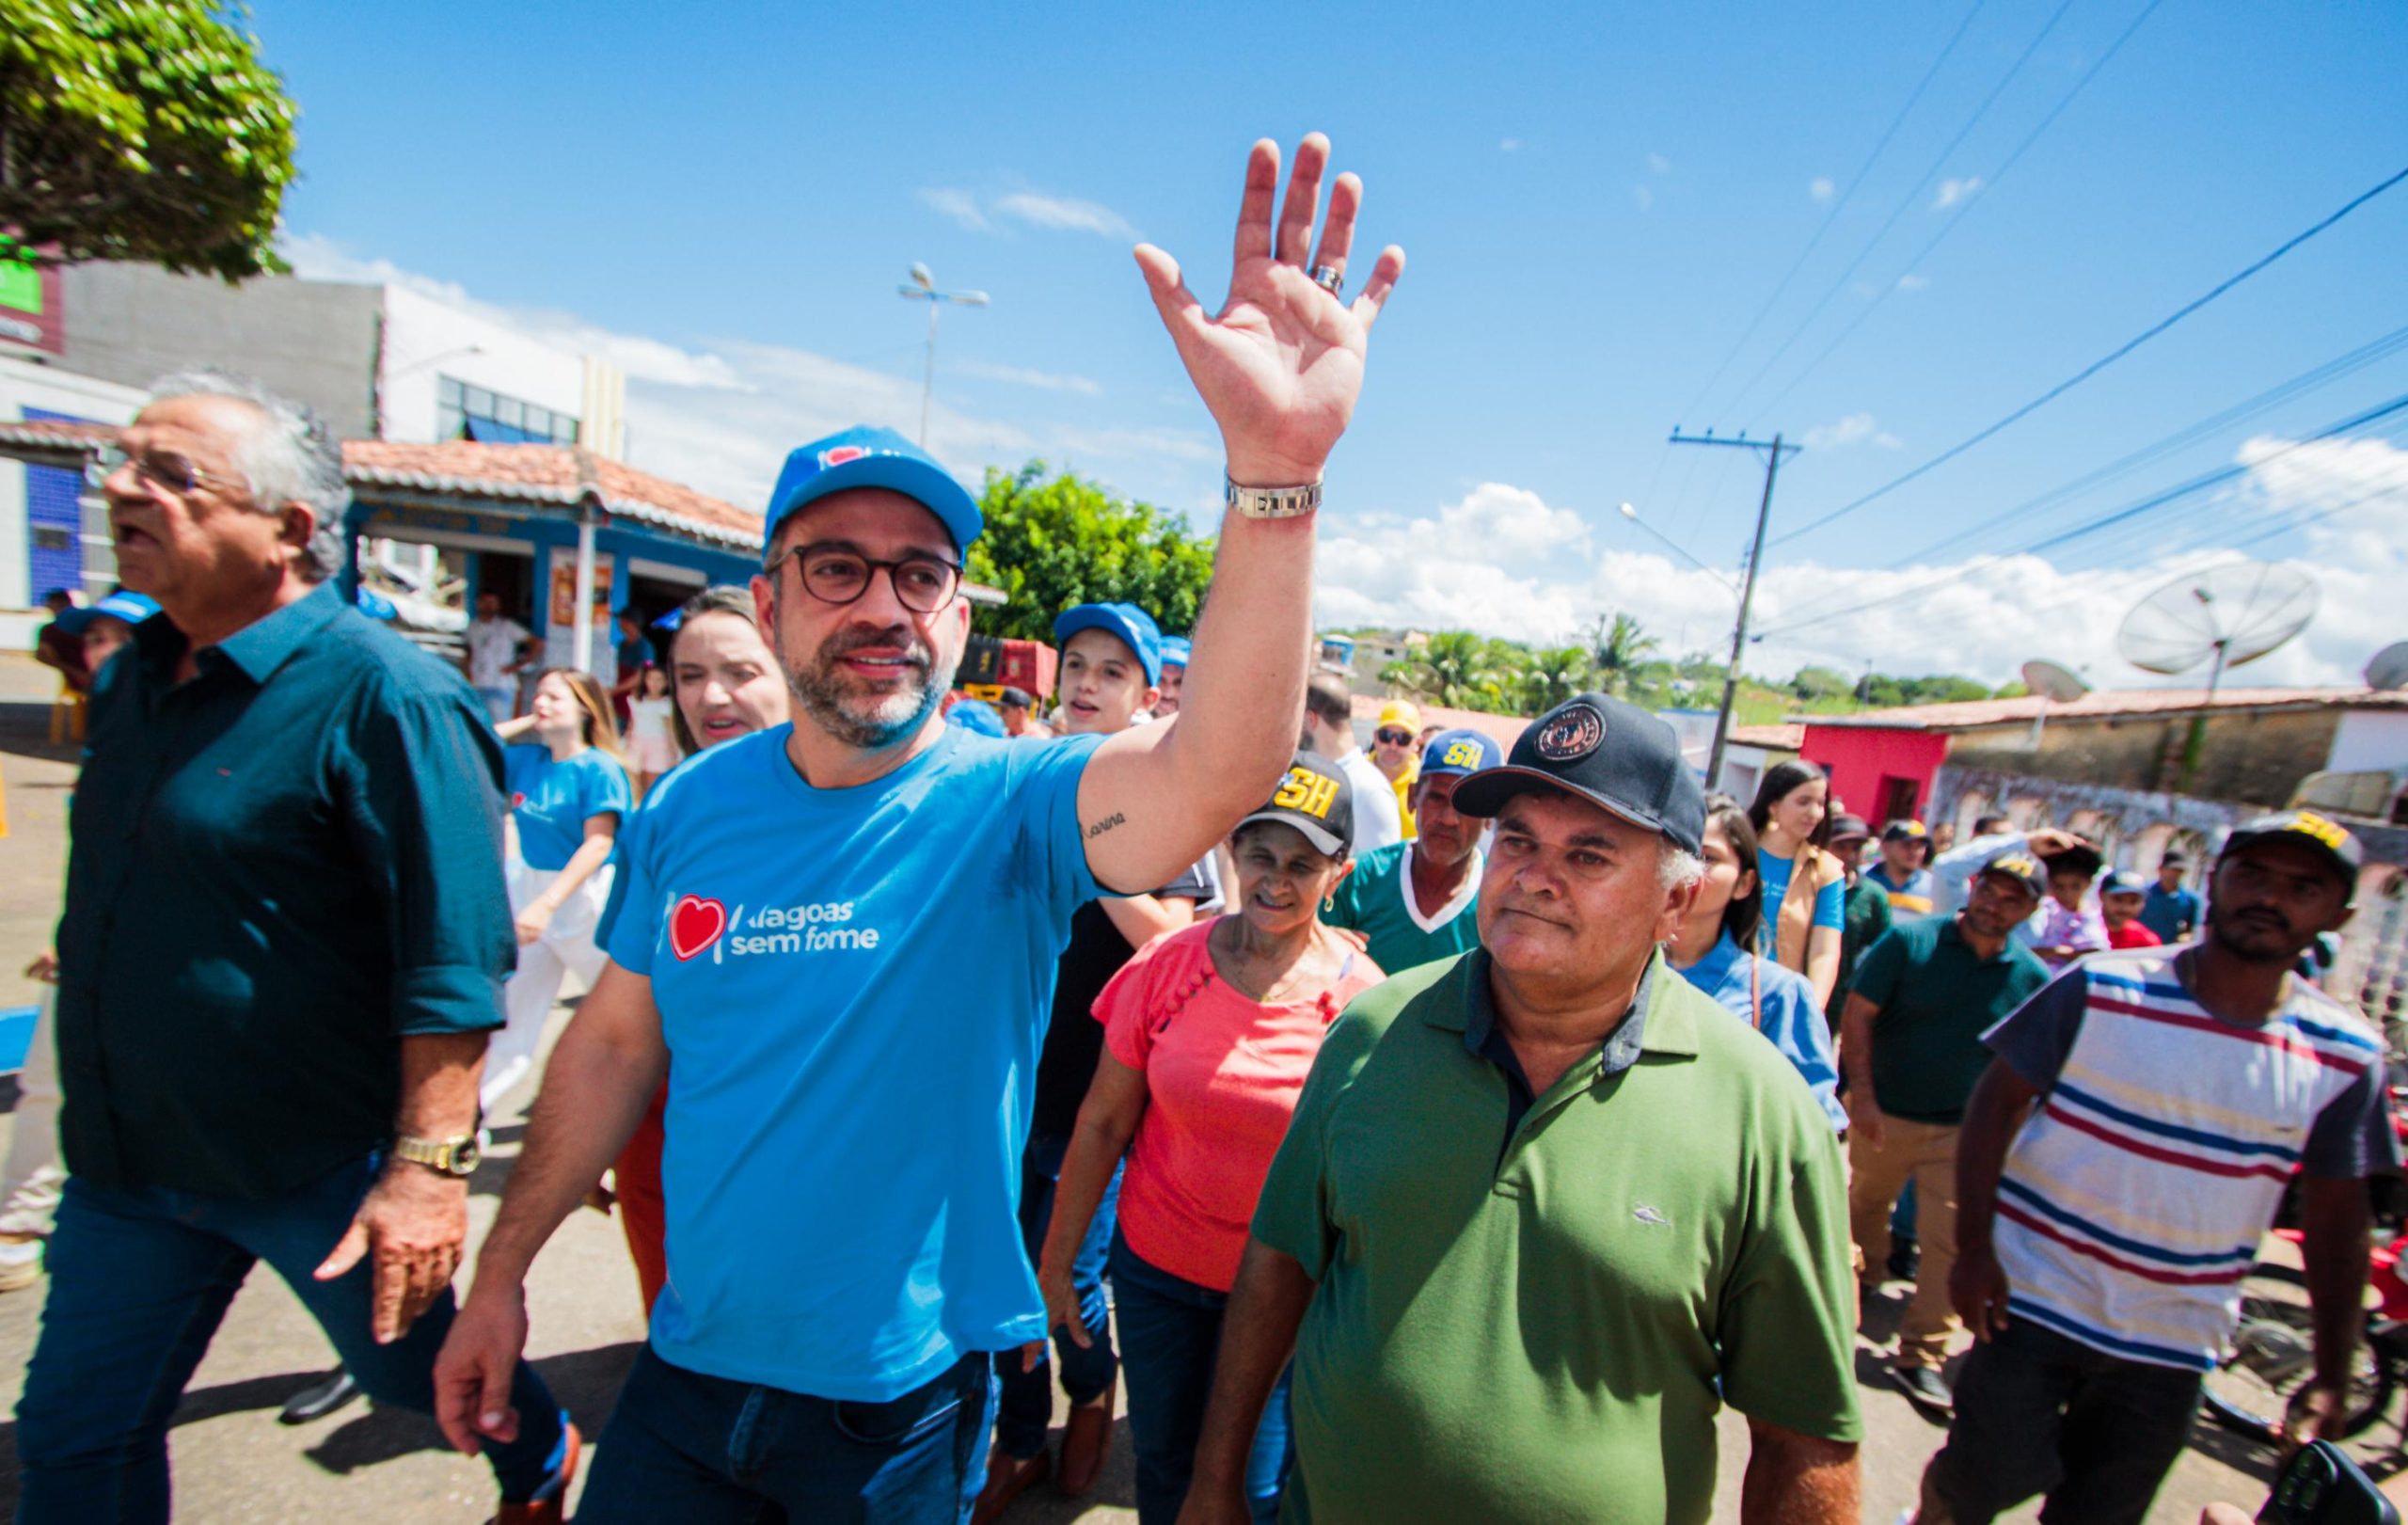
x: 1676, y: 867
x: 292, y: 457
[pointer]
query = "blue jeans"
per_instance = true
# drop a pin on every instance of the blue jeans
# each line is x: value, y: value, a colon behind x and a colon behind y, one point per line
x: 703, y: 1450
x: 1086, y: 1373
x: 1170, y: 1340
x: 138, y: 1281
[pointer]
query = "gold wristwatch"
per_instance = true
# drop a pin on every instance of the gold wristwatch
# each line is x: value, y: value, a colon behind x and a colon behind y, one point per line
x: 454, y: 1157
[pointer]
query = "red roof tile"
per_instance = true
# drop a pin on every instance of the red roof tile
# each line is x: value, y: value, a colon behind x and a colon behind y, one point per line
x: 2107, y: 703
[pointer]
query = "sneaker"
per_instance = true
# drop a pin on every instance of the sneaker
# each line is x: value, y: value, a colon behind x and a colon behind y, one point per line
x: 1924, y: 1387
x: 550, y: 1504
x: 320, y: 1398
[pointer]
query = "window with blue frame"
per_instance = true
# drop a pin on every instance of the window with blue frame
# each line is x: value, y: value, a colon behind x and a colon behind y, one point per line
x: 466, y: 412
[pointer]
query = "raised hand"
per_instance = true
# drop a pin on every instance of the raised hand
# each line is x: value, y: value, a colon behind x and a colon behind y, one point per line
x: 1282, y: 362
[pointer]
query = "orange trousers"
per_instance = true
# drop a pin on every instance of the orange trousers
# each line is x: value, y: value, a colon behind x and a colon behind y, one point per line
x: 636, y: 1179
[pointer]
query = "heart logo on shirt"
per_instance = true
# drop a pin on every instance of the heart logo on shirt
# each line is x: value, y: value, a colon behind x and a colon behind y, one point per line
x: 695, y: 925
x: 517, y: 801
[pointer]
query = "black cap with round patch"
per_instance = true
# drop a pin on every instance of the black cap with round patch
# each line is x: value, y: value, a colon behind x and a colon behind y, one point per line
x: 1615, y: 755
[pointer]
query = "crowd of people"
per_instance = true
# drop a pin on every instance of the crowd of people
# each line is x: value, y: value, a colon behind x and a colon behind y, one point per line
x: 1443, y: 1132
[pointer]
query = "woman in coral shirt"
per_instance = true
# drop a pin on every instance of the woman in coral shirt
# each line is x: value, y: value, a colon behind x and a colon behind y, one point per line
x: 1208, y: 1033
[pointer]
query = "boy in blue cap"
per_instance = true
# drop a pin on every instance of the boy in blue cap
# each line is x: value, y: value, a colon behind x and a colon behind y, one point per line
x: 1111, y: 664
x: 844, y: 931
x: 1414, y: 901
x: 1175, y: 654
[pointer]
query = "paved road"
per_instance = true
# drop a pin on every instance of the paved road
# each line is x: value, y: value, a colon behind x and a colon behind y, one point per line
x: 235, y: 1463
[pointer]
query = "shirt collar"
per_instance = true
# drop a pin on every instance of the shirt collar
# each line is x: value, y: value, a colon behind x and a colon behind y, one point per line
x: 1715, y: 967
x: 1655, y: 1026
x: 256, y: 650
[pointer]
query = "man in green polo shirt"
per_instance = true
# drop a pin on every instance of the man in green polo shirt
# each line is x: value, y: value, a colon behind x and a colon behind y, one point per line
x: 1413, y: 901
x: 1911, y: 1044
x: 1507, y: 1300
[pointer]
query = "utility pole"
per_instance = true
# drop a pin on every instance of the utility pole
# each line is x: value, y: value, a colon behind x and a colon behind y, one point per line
x: 1772, y: 450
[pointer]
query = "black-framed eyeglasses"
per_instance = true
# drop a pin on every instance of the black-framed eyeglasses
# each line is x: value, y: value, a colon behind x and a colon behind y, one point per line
x: 1394, y: 738
x: 840, y: 574
x: 158, y: 469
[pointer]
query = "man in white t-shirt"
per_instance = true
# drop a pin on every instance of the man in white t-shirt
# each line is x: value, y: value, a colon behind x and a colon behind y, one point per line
x: 1329, y: 729
x: 499, y: 648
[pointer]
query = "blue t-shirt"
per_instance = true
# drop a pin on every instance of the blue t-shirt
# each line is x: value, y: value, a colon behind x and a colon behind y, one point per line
x: 1779, y: 1004
x: 2171, y: 914
x: 1830, y: 902
x: 852, y: 984
x: 550, y: 801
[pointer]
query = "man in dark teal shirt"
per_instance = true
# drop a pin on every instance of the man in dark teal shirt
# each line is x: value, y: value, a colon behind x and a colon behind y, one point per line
x: 285, y: 934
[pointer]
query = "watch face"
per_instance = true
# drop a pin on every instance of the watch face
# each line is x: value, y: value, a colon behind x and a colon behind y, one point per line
x: 465, y: 1158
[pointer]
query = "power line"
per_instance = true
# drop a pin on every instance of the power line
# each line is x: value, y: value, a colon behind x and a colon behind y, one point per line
x: 1837, y: 207
x: 2273, y: 397
x: 2105, y: 360
x: 1915, y: 194
x: 1989, y: 189
x: 2030, y: 509
x: 2125, y: 514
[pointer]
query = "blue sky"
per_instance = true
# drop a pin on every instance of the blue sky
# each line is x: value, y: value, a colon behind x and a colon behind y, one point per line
x: 723, y: 198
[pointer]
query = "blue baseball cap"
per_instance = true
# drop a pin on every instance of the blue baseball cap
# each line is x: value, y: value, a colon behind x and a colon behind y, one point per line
x: 1133, y: 627
x: 1460, y: 751
x: 2120, y: 883
x: 133, y: 608
x: 1175, y: 650
x: 867, y: 457
x: 975, y: 715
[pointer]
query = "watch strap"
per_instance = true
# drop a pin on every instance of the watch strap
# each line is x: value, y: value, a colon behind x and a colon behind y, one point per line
x: 452, y: 1156
x: 1272, y: 502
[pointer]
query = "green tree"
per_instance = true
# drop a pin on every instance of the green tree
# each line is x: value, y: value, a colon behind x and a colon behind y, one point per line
x: 140, y: 129
x: 1616, y: 645
x: 1813, y: 683
x: 1451, y: 671
x: 1054, y: 541
x: 1554, y: 674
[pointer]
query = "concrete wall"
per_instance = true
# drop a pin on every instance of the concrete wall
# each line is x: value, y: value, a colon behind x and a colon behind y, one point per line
x: 2369, y: 739
x: 310, y: 340
x: 425, y: 341
x: 2248, y: 757
x: 43, y: 388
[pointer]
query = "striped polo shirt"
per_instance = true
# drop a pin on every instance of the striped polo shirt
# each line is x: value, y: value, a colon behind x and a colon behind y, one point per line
x: 2134, y: 1198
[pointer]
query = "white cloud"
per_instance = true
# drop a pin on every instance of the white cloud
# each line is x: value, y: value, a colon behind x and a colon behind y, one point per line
x: 1854, y: 429
x: 1660, y: 165
x: 1914, y: 283
x: 1509, y: 145
x: 1954, y: 191
x: 1065, y: 213
x: 1822, y: 189
x: 1643, y: 196
x: 721, y: 418
x: 960, y: 205
x: 1503, y: 562
x: 1021, y: 376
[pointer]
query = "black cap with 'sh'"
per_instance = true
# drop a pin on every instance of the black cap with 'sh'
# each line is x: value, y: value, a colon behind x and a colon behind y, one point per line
x: 1615, y: 755
x: 1315, y: 799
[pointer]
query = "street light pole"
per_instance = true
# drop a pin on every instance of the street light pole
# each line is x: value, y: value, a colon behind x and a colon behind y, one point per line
x: 923, y: 289
x: 1772, y: 454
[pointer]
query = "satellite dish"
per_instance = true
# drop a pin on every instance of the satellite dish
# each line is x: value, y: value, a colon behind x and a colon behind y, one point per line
x: 2228, y: 614
x: 2388, y: 668
x: 2056, y: 682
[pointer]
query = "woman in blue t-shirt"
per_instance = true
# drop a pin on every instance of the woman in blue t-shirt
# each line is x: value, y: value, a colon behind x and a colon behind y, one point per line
x: 568, y: 792
x: 1805, y: 888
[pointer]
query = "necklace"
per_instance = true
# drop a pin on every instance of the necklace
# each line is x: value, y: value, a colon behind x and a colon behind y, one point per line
x: 1283, y: 989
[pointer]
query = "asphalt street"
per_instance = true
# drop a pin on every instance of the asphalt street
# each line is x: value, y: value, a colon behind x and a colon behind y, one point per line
x: 234, y: 1462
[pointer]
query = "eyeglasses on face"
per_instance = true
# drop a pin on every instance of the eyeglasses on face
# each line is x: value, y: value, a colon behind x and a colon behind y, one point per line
x: 1394, y: 738
x: 161, y: 469
x: 840, y: 574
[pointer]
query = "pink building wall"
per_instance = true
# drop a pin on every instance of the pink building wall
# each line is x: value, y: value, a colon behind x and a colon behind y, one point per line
x: 1866, y: 765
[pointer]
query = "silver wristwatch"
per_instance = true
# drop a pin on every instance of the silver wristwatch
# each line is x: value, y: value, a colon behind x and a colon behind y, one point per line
x: 1272, y: 502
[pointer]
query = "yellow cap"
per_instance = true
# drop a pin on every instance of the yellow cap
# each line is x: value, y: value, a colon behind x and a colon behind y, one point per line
x: 1401, y: 712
